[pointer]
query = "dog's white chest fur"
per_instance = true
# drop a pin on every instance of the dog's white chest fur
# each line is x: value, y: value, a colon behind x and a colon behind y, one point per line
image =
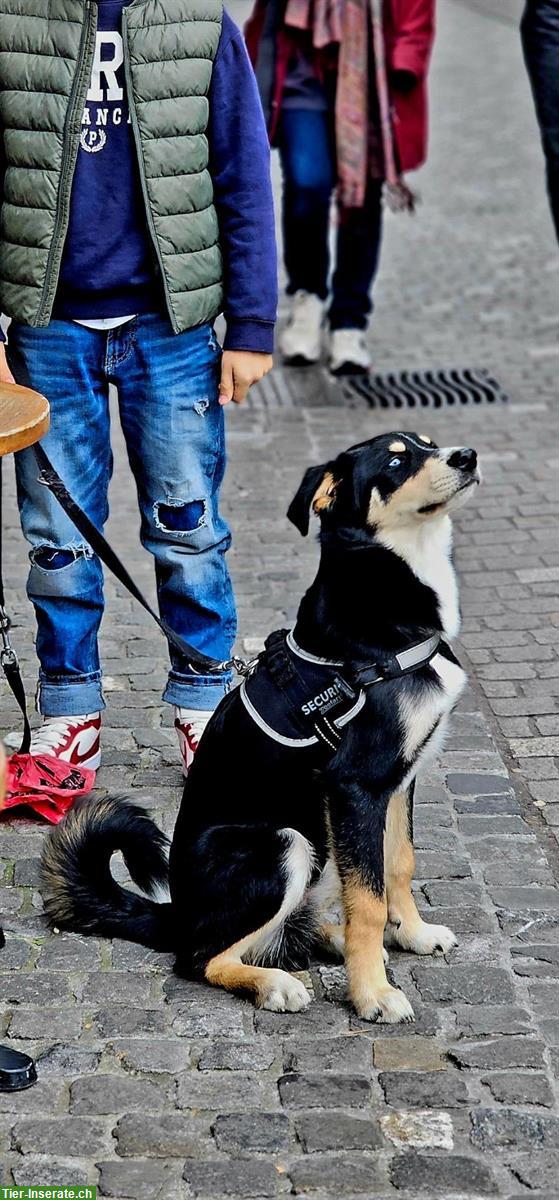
x: 426, y: 549
x: 424, y: 720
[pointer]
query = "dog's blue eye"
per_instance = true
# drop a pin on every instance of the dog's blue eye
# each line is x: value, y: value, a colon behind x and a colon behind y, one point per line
x: 395, y: 462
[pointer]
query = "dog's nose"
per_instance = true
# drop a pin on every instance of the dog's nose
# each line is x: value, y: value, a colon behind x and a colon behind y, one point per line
x: 464, y: 459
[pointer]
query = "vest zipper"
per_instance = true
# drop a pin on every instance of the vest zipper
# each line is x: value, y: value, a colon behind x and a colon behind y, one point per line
x: 141, y: 171
x: 72, y: 130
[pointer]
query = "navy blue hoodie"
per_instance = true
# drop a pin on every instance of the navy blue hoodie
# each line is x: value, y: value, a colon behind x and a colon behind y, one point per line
x: 108, y: 265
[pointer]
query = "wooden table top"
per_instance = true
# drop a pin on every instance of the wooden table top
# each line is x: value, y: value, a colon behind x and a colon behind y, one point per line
x: 24, y: 417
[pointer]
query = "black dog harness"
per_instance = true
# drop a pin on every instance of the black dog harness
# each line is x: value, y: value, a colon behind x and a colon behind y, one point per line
x: 300, y: 700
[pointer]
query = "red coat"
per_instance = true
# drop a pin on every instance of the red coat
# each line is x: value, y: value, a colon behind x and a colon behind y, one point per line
x: 409, y: 33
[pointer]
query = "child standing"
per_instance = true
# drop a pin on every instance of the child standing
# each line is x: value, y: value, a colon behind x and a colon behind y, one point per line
x: 136, y: 206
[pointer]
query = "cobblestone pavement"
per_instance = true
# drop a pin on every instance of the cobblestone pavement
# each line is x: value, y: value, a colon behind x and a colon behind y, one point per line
x: 154, y: 1087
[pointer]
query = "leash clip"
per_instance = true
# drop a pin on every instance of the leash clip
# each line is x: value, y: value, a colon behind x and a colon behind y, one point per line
x: 7, y: 654
x: 243, y: 666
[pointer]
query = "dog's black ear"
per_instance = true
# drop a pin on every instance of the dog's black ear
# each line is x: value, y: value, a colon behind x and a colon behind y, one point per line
x: 317, y: 485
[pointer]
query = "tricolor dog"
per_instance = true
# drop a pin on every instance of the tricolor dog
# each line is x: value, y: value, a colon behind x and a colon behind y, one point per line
x: 301, y: 789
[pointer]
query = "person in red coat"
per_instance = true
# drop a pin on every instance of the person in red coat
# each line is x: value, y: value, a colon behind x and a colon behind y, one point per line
x: 343, y: 84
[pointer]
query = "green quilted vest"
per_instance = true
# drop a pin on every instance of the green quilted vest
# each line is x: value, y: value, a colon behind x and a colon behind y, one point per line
x: 46, y: 52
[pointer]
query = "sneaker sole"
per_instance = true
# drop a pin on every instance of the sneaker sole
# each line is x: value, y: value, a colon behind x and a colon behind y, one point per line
x: 299, y: 360
x: 348, y: 369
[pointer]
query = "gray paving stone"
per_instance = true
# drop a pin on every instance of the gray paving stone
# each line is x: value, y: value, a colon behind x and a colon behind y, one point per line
x: 537, y: 1171
x: 413, y: 1089
x: 52, y: 1172
x: 474, y: 1020
x: 67, y: 952
x: 236, y: 1178
x: 323, y: 1018
x: 467, y: 784
x: 486, y: 806
x: 512, y: 1127
x: 337, y: 1131
x: 472, y: 985
x: 343, y: 1173
x: 515, y: 1087
x: 81, y: 1137
x: 112, y: 1093
x: 238, y: 1056
x: 501, y: 1053
x: 209, y: 1090
x: 350, y: 1053
x: 121, y: 1019
x: 34, y: 987
x: 45, y: 1023
x: 449, y: 1175
x: 526, y: 899
x: 324, y: 1090
x: 68, y: 1060
x: 263, y: 1132
x: 114, y: 987
x: 173, y: 1135
x: 141, y: 1180
x: 153, y: 1056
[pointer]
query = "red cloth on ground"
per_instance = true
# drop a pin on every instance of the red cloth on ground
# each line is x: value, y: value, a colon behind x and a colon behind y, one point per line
x: 45, y: 784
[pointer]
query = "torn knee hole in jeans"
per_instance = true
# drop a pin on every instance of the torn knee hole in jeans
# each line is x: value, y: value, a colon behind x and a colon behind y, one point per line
x: 54, y: 558
x: 180, y: 516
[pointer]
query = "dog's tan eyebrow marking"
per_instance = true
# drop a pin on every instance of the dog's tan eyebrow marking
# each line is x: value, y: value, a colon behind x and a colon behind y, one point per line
x: 397, y: 446
x: 413, y: 441
x: 423, y: 438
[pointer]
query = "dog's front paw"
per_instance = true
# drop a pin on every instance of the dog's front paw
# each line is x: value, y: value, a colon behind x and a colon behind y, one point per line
x: 389, y: 1006
x: 423, y: 938
x: 284, y: 994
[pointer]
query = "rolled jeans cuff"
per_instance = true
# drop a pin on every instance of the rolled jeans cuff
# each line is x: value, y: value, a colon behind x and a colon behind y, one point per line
x: 197, y: 691
x: 60, y: 698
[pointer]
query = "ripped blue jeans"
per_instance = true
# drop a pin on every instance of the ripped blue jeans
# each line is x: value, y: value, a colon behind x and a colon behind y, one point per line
x: 173, y: 425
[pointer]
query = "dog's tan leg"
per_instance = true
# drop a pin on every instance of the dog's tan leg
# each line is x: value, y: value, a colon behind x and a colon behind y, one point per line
x: 332, y: 937
x: 370, y: 991
x: 276, y: 990
x: 405, y: 926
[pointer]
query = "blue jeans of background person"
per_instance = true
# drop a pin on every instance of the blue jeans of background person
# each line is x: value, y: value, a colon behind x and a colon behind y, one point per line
x: 174, y: 429
x: 308, y: 159
x: 540, y: 39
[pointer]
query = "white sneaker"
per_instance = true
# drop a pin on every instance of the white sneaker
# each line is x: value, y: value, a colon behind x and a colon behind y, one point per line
x: 75, y: 740
x: 301, y: 340
x: 348, y: 352
x: 190, y: 724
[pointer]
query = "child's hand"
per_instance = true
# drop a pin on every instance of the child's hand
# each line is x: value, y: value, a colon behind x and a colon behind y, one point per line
x: 239, y: 370
x: 5, y: 373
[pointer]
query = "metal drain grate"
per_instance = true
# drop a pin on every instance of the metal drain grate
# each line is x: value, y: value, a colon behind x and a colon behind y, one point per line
x: 426, y: 389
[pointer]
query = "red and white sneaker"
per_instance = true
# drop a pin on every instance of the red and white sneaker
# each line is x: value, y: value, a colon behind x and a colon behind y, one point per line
x: 74, y: 740
x: 190, y: 724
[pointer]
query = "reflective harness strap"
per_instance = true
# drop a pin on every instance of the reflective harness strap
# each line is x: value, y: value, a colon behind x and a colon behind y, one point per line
x: 282, y: 670
x: 349, y: 681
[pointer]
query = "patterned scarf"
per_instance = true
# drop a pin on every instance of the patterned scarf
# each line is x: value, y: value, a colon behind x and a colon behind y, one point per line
x: 347, y: 23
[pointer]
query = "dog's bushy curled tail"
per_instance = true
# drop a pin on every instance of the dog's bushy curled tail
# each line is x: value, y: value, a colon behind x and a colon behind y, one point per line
x: 79, y: 892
